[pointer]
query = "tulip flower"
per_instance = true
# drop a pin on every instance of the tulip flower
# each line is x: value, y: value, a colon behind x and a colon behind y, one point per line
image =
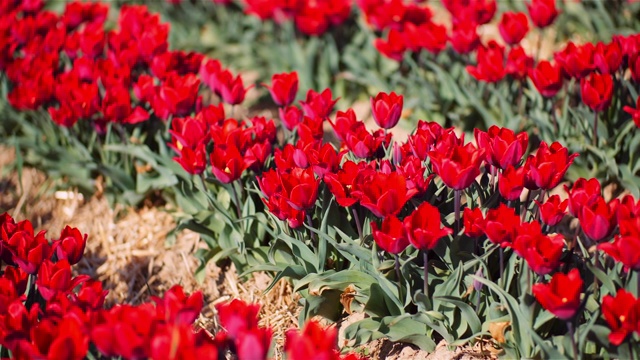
x: 513, y: 27
x: 70, y: 245
x: 576, y: 60
x: 503, y: 146
x: 314, y: 342
x: 547, y: 78
x: 541, y: 252
x: 391, y: 236
x: 501, y: 225
x: 624, y: 249
x: 464, y: 37
x: 621, y: 313
x: 542, y: 12
x: 227, y: 164
x: 300, y: 188
x: 553, y: 210
x: 519, y: 64
x: 599, y: 218
x: 459, y: 166
x: 511, y: 183
x: 473, y: 222
x: 490, y: 67
x: 28, y: 251
x: 562, y: 295
x: 597, y: 91
x: 318, y: 105
x: 283, y: 88
x: 384, y: 194
x: 608, y: 57
x: 290, y: 116
x: 547, y: 167
x: 394, y: 47
x: 56, y: 277
x: 386, y: 109
x: 583, y: 192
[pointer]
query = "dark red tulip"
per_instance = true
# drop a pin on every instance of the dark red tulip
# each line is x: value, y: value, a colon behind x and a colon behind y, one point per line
x: 458, y: 167
x: 474, y: 223
x: 394, y: 47
x: 624, y: 249
x: 429, y: 36
x: 634, y: 112
x: 502, y: 146
x: 176, y: 307
x: 341, y: 183
x: 597, y: 91
x: 542, y: 252
x: 622, y: 313
x: 547, y: 167
x: 547, y: 78
x: 324, y: 160
x: 552, y: 210
x: 598, y: 219
x: 56, y: 277
x: 608, y: 58
x: 542, y: 12
x: 283, y: 88
x: 513, y: 27
x: 318, y: 105
x: 464, y: 37
x: 290, y: 116
x: 238, y: 317
x: 583, y: 192
x: 511, y: 183
x: 386, y: 109
x: 209, y: 70
x: 561, y: 296
x: 501, y: 225
x: 576, y: 60
x: 391, y: 236
x: 314, y: 342
x: 232, y: 89
x: 300, y: 187
x: 490, y: 63
x: 519, y: 64
x: 424, y: 227
x: 193, y: 161
x: 70, y: 245
x: 29, y: 251
x: 634, y: 66
x: 384, y: 194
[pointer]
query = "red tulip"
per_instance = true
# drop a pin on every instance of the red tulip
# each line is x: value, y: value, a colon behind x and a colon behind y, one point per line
x: 70, y: 245
x: 192, y: 161
x: 542, y: 12
x: 552, y: 210
x: 429, y: 36
x: 583, y: 192
x: 547, y: 78
x: 56, y: 277
x: 490, y: 67
x: 290, y: 117
x: 324, y: 160
x: 608, y: 58
x: 542, y: 252
x: 424, y: 227
x: 459, y: 166
x: 238, y: 317
x: 29, y: 251
x: 501, y: 225
x: 67, y: 339
x: 576, y: 60
x: 209, y: 70
x: 341, y: 183
x: 391, y: 236
x: 547, y: 167
x: 599, y: 218
x: 394, y: 47
x: 318, y: 105
x: 464, y: 37
x: 622, y: 313
x: 231, y: 89
x: 634, y: 112
x: 629, y: 209
x: 561, y: 296
x: 597, y: 91
x: 474, y: 223
x: 384, y: 194
x: 513, y: 27
x: 386, y: 109
x: 502, y: 146
x: 634, y: 66
x: 511, y: 183
x: 227, y: 164
x: 624, y: 249
x: 283, y: 88
x: 519, y: 64
x: 300, y: 188
x: 314, y: 342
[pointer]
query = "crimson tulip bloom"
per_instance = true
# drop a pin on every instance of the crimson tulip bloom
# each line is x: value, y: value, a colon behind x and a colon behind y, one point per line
x: 547, y: 167
x: 283, y: 88
x: 542, y: 252
x: 464, y: 37
x: 70, y: 245
x: 634, y: 112
x: 394, y: 47
x: 576, y: 60
x: 192, y: 161
x: 561, y: 296
x: 391, y: 236
x: 474, y: 223
x: 227, y: 164
x: 501, y: 225
x: 596, y: 91
x: 511, y: 183
x: 429, y: 36
x: 608, y: 57
x: 384, y: 194
x: 341, y: 183
x: 542, y: 12
x: 547, y: 78
x: 290, y: 117
x: 553, y: 210
x: 29, y: 251
x: 386, y: 109
x: 519, y: 64
x: 599, y: 219
x: 300, y: 188
x: 424, y: 227
x: 621, y: 313
x: 314, y: 342
x: 583, y: 192
x: 490, y: 67
x: 56, y: 277
x: 502, y: 146
x: 624, y: 249
x: 231, y: 89
x: 459, y: 167
x: 237, y: 317
x: 318, y: 105
x: 513, y: 27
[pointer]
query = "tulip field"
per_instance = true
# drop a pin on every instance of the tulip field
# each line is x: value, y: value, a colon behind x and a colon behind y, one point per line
x: 421, y: 176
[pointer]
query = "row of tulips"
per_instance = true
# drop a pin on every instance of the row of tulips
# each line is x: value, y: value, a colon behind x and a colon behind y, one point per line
x: 46, y: 312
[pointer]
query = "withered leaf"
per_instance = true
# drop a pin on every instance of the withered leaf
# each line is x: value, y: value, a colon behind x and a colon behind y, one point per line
x: 347, y: 297
x: 497, y: 329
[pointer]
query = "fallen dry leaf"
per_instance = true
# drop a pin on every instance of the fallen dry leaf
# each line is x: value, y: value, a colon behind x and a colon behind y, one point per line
x: 347, y: 297
x: 497, y: 329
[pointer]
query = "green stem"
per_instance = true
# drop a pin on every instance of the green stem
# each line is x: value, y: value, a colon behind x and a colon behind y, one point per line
x: 313, y: 235
x: 456, y: 205
x: 426, y: 272
x: 572, y: 334
x: 356, y: 218
x: 236, y: 199
x: 595, y: 129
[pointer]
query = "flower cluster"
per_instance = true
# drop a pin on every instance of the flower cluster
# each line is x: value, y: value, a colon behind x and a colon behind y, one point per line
x: 48, y: 313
